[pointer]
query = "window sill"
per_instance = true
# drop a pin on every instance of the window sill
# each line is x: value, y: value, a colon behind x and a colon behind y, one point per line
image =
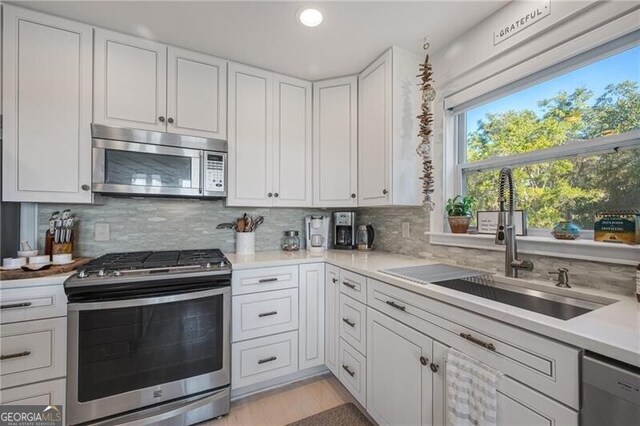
x: 621, y: 254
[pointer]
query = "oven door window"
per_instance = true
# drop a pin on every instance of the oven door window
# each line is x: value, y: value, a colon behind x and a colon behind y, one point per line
x: 124, y: 349
x: 147, y: 169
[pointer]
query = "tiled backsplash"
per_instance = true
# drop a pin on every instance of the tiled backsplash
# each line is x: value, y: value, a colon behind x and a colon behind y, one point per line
x: 169, y: 224
x: 166, y: 224
x: 388, y: 226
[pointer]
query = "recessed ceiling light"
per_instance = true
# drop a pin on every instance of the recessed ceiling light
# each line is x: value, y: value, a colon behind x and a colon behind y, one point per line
x: 310, y: 17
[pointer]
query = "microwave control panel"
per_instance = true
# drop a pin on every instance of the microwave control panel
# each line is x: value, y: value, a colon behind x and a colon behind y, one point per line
x: 214, y: 172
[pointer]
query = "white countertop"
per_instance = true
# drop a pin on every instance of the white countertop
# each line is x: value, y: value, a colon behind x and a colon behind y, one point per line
x: 612, y: 331
x: 35, y: 282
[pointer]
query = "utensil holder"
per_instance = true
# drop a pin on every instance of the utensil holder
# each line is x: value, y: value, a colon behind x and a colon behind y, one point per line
x: 245, y: 242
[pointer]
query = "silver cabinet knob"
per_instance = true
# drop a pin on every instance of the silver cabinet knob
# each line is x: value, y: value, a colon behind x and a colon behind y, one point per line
x: 161, y: 119
x: 170, y: 120
x: 353, y: 195
x: 385, y: 192
x: 276, y: 195
x: 270, y: 194
x: 85, y: 187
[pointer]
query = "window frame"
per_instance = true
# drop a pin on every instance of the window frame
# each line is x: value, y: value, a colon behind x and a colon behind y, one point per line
x: 538, y: 241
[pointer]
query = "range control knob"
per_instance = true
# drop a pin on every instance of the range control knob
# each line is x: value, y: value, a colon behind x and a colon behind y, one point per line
x: 83, y: 273
x: 208, y: 265
x: 102, y: 273
x: 116, y: 273
x: 222, y: 264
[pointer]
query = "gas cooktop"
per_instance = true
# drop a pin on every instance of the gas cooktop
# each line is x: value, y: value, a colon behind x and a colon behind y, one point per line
x: 134, y: 267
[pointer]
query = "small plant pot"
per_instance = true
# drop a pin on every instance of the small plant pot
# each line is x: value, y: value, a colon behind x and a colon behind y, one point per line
x: 459, y: 224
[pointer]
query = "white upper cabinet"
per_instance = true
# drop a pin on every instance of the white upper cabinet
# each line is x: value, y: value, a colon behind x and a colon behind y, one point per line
x: 196, y: 94
x: 250, y: 136
x: 130, y: 81
x: 47, y: 72
x: 269, y: 139
x: 388, y: 104
x: 145, y: 85
x: 335, y: 143
x: 292, y: 142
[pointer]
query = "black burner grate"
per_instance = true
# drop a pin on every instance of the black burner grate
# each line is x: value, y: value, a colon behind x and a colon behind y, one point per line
x: 155, y: 259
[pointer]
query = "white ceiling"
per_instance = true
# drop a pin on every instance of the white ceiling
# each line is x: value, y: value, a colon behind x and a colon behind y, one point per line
x: 267, y: 34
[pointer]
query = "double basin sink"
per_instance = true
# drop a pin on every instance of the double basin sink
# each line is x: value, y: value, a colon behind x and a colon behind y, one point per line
x: 486, y: 286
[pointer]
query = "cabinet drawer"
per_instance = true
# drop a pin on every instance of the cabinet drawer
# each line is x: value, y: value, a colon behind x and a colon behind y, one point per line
x: 352, y: 372
x: 262, y: 314
x: 264, y: 279
x: 51, y: 392
x: 26, y: 304
x: 353, y: 323
x: 546, y: 365
x: 33, y: 351
x: 353, y: 285
x: 258, y: 360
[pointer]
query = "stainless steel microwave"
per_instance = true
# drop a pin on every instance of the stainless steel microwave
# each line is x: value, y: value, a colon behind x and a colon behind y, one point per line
x: 144, y: 163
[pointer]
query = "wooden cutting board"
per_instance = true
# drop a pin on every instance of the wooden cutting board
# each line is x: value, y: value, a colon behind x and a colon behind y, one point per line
x: 19, y: 274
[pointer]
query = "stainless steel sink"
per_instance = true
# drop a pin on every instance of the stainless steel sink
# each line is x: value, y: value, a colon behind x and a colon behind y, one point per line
x: 484, y: 285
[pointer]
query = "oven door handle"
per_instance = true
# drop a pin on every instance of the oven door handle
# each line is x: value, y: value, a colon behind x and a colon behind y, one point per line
x: 128, y: 303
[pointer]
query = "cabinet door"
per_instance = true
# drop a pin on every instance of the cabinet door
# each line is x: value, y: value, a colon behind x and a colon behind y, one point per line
x: 196, y: 94
x: 331, y: 325
x: 399, y: 386
x: 292, y: 142
x: 47, y: 72
x: 335, y: 143
x: 130, y: 81
x: 374, y: 133
x: 518, y: 405
x: 250, y: 136
x: 311, y: 315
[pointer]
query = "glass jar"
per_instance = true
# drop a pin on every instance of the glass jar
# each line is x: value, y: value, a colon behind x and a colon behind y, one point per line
x: 290, y: 241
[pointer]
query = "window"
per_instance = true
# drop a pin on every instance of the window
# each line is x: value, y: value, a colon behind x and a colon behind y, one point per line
x: 573, y: 141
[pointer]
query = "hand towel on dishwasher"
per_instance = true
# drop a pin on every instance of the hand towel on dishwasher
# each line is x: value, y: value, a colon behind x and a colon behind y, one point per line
x: 472, y: 397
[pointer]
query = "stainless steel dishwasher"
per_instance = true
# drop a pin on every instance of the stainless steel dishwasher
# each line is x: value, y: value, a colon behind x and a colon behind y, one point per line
x: 610, y: 392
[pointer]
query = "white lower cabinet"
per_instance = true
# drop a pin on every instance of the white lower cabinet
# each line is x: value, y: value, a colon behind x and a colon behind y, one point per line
x: 402, y: 340
x: 352, y: 371
x: 51, y: 392
x: 311, y: 332
x: 331, y: 318
x: 399, y: 380
x: 518, y: 405
x: 278, y: 324
x: 265, y: 358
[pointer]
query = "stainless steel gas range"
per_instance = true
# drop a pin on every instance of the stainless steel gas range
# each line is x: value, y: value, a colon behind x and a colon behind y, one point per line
x: 148, y: 338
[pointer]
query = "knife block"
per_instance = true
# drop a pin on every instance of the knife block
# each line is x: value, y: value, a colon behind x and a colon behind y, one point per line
x: 50, y: 247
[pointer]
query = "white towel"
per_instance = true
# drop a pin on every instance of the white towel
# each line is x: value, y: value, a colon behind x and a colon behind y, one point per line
x: 472, y: 397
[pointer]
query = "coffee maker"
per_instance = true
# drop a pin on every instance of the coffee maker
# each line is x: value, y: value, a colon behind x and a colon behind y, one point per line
x: 344, y: 232
x: 317, y: 232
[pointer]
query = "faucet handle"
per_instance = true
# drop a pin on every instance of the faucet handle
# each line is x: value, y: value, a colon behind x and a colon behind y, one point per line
x: 563, y: 277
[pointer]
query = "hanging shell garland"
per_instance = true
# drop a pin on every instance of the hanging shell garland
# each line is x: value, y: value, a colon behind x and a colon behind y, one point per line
x: 426, y: 130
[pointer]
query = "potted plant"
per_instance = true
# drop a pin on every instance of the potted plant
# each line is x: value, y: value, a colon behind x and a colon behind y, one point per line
x: 459, y: 210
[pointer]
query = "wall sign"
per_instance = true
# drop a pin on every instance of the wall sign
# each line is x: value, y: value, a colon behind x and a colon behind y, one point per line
x: 488, y: 222
x: 532, y: 13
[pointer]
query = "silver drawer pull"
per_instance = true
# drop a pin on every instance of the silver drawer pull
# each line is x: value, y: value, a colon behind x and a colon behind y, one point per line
x: 351, y: 286
x: 268, y: 280
x: 349, y: 323
x: 348, y: 370
x: 265, y: 360
x: 16, y: 355
x: 477, y: 341
x: 395, y: 305
x: 268, y: 314
x: 16, y: 305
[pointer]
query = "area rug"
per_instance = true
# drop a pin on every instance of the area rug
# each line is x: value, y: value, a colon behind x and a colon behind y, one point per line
x: 342, y: 415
